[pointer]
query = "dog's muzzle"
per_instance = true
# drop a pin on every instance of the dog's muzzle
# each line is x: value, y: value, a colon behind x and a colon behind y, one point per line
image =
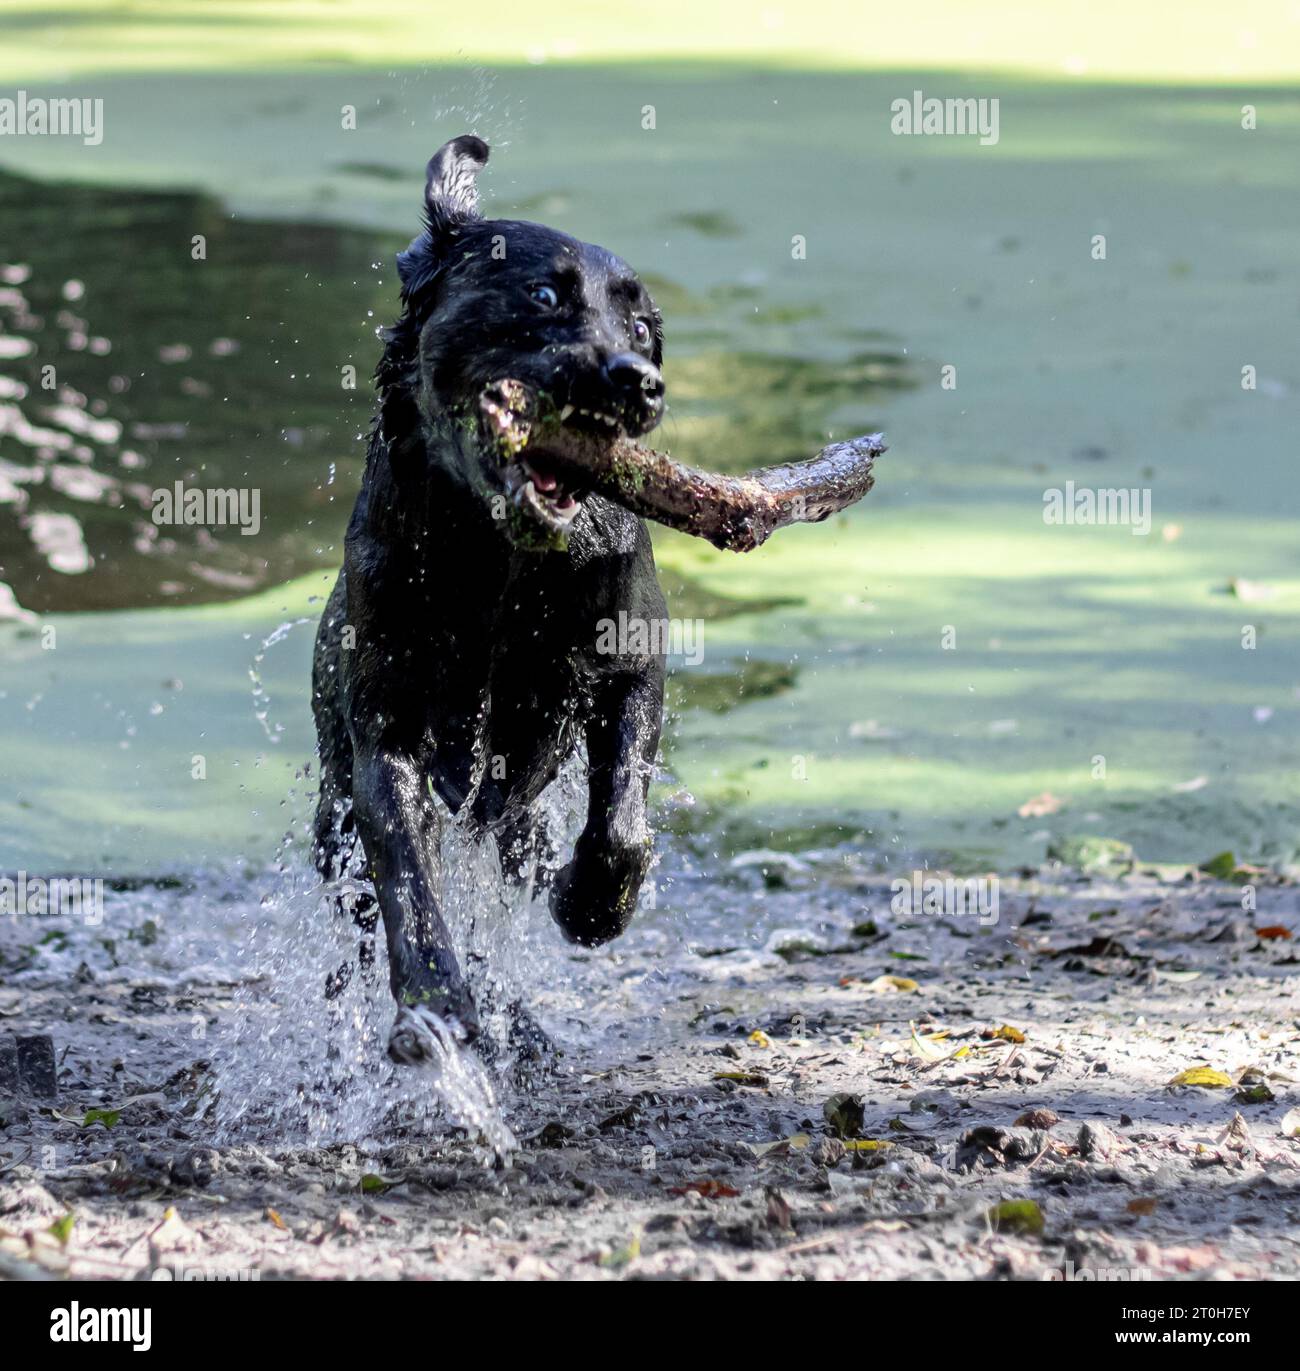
x: 624, y: 400
x: 636, y: 387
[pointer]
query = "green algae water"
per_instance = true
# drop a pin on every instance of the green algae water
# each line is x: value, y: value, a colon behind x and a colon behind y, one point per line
x: 904, y: 678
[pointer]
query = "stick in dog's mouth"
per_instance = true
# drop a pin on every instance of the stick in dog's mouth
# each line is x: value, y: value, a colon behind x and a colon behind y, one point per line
x: 536, y: 478
x: 549, y: 465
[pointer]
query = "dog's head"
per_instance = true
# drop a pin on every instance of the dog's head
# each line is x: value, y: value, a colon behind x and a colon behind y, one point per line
x: 488, y: 299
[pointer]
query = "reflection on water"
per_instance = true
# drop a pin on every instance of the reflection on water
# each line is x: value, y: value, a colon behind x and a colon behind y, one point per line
x: 149, y: 338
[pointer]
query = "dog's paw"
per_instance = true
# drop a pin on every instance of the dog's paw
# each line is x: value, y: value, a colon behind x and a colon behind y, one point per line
x: 419, y: 1037
x: 593, y: 899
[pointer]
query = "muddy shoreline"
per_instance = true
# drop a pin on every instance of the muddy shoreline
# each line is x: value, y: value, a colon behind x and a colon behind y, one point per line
x: 703, y: 1144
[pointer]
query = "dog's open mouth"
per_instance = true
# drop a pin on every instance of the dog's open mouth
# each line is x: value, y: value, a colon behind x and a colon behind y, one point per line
x: 552, y: 458
x: 541, y: 451
x: 533, y: 483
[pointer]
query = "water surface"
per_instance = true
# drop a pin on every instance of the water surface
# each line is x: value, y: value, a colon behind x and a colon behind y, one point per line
x: 828, y: 708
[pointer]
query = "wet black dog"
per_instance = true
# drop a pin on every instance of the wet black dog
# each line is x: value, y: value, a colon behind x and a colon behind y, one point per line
x: 458, y: 656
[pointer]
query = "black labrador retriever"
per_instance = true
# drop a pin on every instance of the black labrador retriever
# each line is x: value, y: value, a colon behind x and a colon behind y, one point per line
x: 457, y: 660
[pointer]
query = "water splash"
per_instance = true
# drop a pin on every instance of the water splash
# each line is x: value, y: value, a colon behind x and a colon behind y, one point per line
x: 297, y: 1064
x: 457, y: 1077
x: 261, y: 700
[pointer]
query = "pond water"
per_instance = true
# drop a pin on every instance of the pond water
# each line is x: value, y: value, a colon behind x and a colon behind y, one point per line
x: 898, y: 682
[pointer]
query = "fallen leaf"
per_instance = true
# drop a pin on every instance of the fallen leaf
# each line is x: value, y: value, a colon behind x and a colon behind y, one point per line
x: 108, y: 1115
x: 171, y: 1235
x: 866, y: 1145
x: 795, y: 1143
x: 1237, y: 1136
x: 741, y: 1077
x: 1040, y: 806
x: 844, y: 1113
x: 622, y: 1256
x: 1221, y: 866
x: 1016, y: 1216
x: 778, y: 1211
x: 1144, y: 1204
x: 709, y: 1188
x: 925, y: 1048
x: 1038, y: 1118
x: 1204, y: 1076
x: 1254, y: 1094
x: 1251, y: 590
x: 887, y: 985
x: 759, y: 1039
x: 1273, y: 931
x: 62, y: 1228
x: 828, y: 1152
x: 276, y: 1219
x: 371, y: 1184
x: 1087, y: 852
x: 1006, y: 1033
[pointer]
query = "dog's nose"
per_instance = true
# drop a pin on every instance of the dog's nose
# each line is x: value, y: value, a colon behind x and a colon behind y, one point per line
x: 628, y: 371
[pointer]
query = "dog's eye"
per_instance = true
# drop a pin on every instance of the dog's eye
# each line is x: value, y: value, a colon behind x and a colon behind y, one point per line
x: 544, y: 296
x: 641, y: 331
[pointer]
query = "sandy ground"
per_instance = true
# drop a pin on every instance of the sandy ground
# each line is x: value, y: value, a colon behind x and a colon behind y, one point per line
x: 708, y: 1142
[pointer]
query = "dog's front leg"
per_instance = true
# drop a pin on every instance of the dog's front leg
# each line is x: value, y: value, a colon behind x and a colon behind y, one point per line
x: 399, y: 829
x: 595, y: 896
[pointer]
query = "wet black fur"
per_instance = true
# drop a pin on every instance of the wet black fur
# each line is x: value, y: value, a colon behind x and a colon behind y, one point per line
x: 471, y: 671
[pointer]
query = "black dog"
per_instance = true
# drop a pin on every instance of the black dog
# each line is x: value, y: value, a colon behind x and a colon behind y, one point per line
x: 457, y: 657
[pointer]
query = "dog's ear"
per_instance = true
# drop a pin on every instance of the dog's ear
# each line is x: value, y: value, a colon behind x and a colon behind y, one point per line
x: 450, y: 200
x: 450, y: 192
